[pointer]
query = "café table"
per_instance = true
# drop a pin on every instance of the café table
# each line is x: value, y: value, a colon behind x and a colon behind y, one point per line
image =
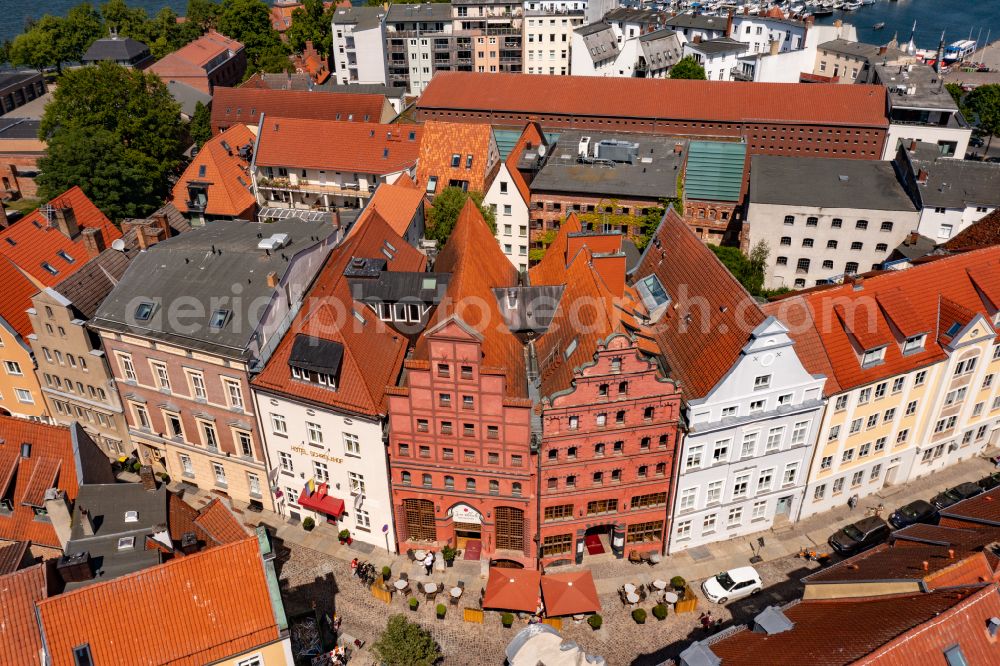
x: 456, y: 592
x: 430, y: 588
x: 670, y: 597
x: 660, y: 584
x: 629, y: 588
x: 632, y: 597
x: 401, y: 584
x: 419, y: 555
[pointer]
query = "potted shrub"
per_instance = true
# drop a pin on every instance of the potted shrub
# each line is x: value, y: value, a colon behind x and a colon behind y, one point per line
x: 441, y: 610
x: 343, y: 536
x: 386, y: 573
x: 414, y: 604
x: 164, y: 477
x: 449, y: 553
x: 595, y: 621
x: 678, y: 583
x: 136, y: 466
x: 507, y: 619
x: 639, y: 615
x: 659, y: 611
x: 308, y: 523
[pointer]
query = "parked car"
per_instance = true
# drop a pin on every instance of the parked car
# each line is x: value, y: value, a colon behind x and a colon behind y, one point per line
x: 977, y: 142
x: 957, y: 494
x: 733, y: 584
x: 860, y: 536
x: 917, y: 511
x: 989, y: 482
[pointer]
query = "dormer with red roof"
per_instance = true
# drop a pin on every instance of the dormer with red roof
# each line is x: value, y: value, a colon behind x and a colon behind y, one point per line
x: 217, y: 182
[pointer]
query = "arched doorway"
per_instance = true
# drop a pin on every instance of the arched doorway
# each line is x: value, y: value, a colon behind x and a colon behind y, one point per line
x: 468, y: 525
x: 420, y: 519
x: 597, y: 539
x: 506, y: 564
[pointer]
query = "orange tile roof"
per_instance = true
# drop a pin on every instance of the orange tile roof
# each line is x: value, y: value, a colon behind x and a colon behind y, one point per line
x: 929, y: 297
x: 16, y: 297
x: 477, y: 266
x: 531, y: 137
x: 397, y: 203
x: 442, y: 141
x: 709, y: 320
x: 20, y: 640
x: 720, y: 101
x: 222, y: 169
x: 190, y: 60
x: 373, y: 353
x: 34, y: 240
x: 51, y: 464
x: 12, y: 556
x: 281, y: 15
x: 218, y: 522
x: 190, y: 610
x: 337, y: 146
x: 244, y: 105
x: 983, y: 233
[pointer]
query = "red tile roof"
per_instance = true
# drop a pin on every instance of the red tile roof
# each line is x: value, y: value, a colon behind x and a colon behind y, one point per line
x: 983, y: 233
x: 397, y: 203
x: 190, y: 610
x: 281, y: 15
x: 34, y: 239
x: 710, y: 317
x: 478, y: 266
x: 51, y: 464
x: 531, y: 137
x: 442, y: 141
x: 12, y: 556
x: 373, y: 352
x: 897, y: 629
x: 190, y: 60
x: 20, y: 640
x: 929, y: 297
x: 244, y: 105
x: 220, y: 524
x: 16, y: 297
x: 337, y: 146
x: 222, y: 169
x: 719, y: 101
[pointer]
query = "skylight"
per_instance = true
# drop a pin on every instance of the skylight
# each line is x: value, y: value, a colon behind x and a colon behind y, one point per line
x: 11, y: 241
x: 49, y: 268
x: 218, y: 319
x: 953, y: 329
x: 131, y: 516
x: 201, y: 170
x: 428, y: 283
x: 144, y: 311
x: 65, y: 255
x: 652, y: 292
x: 125, y: 543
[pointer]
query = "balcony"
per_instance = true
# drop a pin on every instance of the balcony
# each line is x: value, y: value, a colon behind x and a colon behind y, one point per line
x: 285, y: 185
x: 739, y: 74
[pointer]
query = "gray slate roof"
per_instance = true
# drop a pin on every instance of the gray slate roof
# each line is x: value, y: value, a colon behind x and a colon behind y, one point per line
x: 363, y: 18
x: 827, y: 183
x: 19, y: 128
x: 114, y: 48
x: 654, y: 179
x: 859, y: 50
x: 959, y: 183
x: 699, y: 22
x: 928, y: 91
x: 433, y: 11
x: 631, y: 15
x: 720, y: 45
x: 599, y: 40
x: 661, y: 48
x: 185, y: 270
x: 187, y: 97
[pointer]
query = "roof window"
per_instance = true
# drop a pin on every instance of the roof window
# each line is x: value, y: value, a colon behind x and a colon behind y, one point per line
x: 201, y: 170
x: 652, y: 292
x: 219, y: 318
x: 131, y: 516
x: 456, y: 160
x: 65, y: 255
x: 144, y: 311
x: 81, y: 655
x: 954, y: 329
x: 49, y: 268
x: 126, y: 543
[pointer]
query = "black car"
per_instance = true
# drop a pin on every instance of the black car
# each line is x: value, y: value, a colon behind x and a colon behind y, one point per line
x: 862, y: 535
x: 957, y: 494
x: 989, y: 482
x: 918, y: 511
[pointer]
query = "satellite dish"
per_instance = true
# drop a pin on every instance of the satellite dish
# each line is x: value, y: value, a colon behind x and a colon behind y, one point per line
x: 118, y: 244
x: 541, y: 150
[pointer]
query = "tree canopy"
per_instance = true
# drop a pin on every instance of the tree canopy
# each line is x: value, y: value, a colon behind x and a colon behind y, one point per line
x: 687, y: 68
x: 984, y: 102
x: 116, y: 133
x: 311, y: 22
x: 748, y: 270
x: 446, y: 208
x: 200, y: 127
x: 249, y: 21
x: 405, y: 643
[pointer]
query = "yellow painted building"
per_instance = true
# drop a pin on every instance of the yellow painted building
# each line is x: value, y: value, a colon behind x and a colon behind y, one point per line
x: 912, y: 360
x: 20, y: 393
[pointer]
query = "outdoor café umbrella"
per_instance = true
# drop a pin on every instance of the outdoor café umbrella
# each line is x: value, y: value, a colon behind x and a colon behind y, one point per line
x: 569, y: 593
x: 512, y: 590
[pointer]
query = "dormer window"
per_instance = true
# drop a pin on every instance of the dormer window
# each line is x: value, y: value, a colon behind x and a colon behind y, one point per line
x: 143, y: 311
x: 914, y: 344
x: 873, y: 357
x: 432, y: 184
x: 126, y: 543
x: 131, y: 516
x: 315, y: 361
x: 652, y: 292
x: 218, y: 320
x: 456, y: 160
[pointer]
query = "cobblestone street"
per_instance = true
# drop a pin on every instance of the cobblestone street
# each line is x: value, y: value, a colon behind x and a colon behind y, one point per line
x: 308, y: 575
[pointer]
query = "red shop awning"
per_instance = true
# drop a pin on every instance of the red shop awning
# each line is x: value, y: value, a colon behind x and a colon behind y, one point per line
x: 321, y: 502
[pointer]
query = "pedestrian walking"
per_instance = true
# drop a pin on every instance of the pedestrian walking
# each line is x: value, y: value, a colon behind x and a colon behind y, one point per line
x: 853, y: 501
x: 429, y: 563
x: 706, y: 620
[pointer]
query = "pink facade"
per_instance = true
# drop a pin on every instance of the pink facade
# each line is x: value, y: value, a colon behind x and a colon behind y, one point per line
x: 459, y: 449
x: 608, y: 454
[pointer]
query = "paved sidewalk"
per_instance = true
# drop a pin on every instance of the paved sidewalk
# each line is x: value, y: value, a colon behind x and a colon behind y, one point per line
x: 610, y: 573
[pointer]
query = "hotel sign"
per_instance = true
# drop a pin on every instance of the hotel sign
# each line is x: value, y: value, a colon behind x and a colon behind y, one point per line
x: 317, y: 454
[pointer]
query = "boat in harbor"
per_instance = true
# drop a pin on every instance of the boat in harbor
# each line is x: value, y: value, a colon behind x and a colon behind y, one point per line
x: 879, y: 25
x: 822, y: 11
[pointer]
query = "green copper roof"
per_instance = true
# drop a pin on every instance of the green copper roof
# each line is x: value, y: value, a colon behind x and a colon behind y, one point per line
x: 507, y: 139
x: 714, y: 170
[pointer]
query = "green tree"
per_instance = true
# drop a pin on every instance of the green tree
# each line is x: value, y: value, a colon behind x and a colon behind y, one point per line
x: 200, y: 127
x: 5, y: 51
x: 984, y: 102
x: 249, y: 21
x: 127, y: 21
x: 95, y: 107
x: 39, y: 46
x: 957, y: 94
x: 748, y: 270
x: 405, y: 643
x: 203, y: 13
x: 311, y: 22
x: 447, y: 206
x: 687, y: 68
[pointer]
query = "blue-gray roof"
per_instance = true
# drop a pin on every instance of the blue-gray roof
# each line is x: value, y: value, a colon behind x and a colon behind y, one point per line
x: 507, y: 139
x: 715, y: 170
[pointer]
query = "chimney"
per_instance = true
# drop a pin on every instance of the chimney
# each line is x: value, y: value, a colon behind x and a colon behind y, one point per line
x: 926, y: 565
x: 697, y: 39
x: 93, y: 241
x: 160, y: 221
x: 146, y: 477
x: 147, y: 234
x: 775, y: 47
x: 678, y: 148
x: 858, y: 282
x: 913, y: 145
x: 189, y: 543
x: 66, y: 221
x: 57, y: 508
x: 912, y: 238
x: 922, y: 177
x: 729, y: 23
x: 86, y: 522
x: 272, y: 280
x: 951, y: 553
x: 882, y: 50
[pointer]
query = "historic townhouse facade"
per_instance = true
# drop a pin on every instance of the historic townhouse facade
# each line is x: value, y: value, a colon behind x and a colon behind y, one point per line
x: 751, y: 408
x: 912, y: 360
x: 190, y: 320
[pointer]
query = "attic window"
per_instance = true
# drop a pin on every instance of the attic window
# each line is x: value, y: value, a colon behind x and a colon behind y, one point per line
x: 131, y: 516
x: 432, y: 184
x: 219, y: 318
x: 11, y: 241
x: 26, y: 449
x: 126, y: 543
x: 385, y: 153
x: 456, y: 160
x: 954, y: 329
x: 413, y: 136
x: 81, y: 655
x: 652, y: 292
x: 955, y: 657
x: 914, y: 344
x: 144, y: 311
x: 570, y: 348
x: 468, y: 161
x: 873, y: 357
x: 49, y: 268
x: 201, y: 170
x: 63, y: 254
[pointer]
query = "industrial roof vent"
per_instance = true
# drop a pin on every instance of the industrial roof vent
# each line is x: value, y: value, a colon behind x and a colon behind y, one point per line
x: 274, y: 242
x: 772, y: 621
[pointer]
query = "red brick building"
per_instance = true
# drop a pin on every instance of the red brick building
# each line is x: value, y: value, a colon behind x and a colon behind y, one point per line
x: 816, y: 120
x: 460, y: 423
x: 208, y: 62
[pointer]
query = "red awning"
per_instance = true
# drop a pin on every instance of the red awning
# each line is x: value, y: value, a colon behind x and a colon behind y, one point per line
x: 321, y: 502
x: 512, y: 589
x: 570, y: 593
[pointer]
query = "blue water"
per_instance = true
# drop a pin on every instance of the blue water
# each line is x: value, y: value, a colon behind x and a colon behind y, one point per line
x: 14, y: 13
